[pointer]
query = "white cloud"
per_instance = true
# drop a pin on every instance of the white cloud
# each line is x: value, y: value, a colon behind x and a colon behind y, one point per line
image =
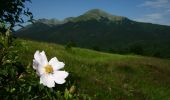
x: 160, y: 12
x: 159, y: 18
x: 156, y: 4
x: 153, y: 17
x: 168, y: 10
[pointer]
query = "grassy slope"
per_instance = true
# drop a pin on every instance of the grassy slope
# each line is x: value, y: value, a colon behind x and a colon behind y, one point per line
x: 106, y: 76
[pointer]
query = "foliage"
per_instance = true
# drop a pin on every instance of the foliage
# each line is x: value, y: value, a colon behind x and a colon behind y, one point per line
x: 11, y: 12
x: 18, y: 81
x: 69, y: 45
x: 96, y: 48
x: 136, y: 49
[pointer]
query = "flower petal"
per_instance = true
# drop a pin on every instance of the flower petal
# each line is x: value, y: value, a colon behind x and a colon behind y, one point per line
x: 59, y: 76
x: 56, y: 64
x: 35, y: 64
x: 37, y: 56
x: 47, y: 80
x: 41, y: 58
x: 44, y: 60
x: 40, y: 71
x: 59, y: 80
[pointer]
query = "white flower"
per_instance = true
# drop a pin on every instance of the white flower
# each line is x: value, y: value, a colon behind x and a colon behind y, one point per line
x: 49, y: 71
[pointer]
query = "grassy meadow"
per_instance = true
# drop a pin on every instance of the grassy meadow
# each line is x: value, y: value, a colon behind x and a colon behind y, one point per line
x: 104, y: 76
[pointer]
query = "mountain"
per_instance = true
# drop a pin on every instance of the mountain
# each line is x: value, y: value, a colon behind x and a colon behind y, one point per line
x: 98, y: 15
x: 100, y: 30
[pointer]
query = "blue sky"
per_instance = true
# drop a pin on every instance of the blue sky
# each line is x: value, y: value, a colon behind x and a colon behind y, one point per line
x: 153, y: 11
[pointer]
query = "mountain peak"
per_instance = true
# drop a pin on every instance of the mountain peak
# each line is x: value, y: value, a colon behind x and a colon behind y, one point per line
x: 97, y: 11
x: 98, y: 14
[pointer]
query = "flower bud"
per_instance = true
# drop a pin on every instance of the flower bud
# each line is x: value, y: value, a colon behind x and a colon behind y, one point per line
x: 72, y: 89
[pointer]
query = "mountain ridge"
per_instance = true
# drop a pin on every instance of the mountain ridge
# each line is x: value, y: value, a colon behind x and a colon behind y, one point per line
x: 99, y: 30
x: 91, y: 14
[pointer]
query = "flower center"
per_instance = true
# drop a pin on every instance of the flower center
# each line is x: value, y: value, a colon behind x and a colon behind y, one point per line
x: 48, y: 69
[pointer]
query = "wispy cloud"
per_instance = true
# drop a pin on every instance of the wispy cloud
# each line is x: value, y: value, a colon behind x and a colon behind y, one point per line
x: 159, y: 18
x: 159, y: 12
x: 155, y: 4
x: 153, y: 17
x: 168, y: 10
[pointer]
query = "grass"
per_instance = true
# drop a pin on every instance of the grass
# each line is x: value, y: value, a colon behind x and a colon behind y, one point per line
x: 105, y: 76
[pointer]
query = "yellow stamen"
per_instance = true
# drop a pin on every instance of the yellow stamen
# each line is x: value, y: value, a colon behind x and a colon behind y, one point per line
x: 48, y: 69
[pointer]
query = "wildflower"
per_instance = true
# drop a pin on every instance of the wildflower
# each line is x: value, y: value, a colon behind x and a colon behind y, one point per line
x: 49, y: 72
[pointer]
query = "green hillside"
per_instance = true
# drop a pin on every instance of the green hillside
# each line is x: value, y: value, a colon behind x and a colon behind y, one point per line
x: 102, y: 31
x: 104, y: 76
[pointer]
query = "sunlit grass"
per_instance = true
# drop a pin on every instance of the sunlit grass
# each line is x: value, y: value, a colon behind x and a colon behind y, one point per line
x: 108, y: 76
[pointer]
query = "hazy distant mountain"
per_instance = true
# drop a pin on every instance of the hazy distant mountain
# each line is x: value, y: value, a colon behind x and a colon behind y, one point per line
x: 102, y: 31
x: 49, y: 21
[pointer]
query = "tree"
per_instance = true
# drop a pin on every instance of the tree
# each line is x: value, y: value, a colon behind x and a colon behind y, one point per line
x: 11, y: 14
x: 136, y: 49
